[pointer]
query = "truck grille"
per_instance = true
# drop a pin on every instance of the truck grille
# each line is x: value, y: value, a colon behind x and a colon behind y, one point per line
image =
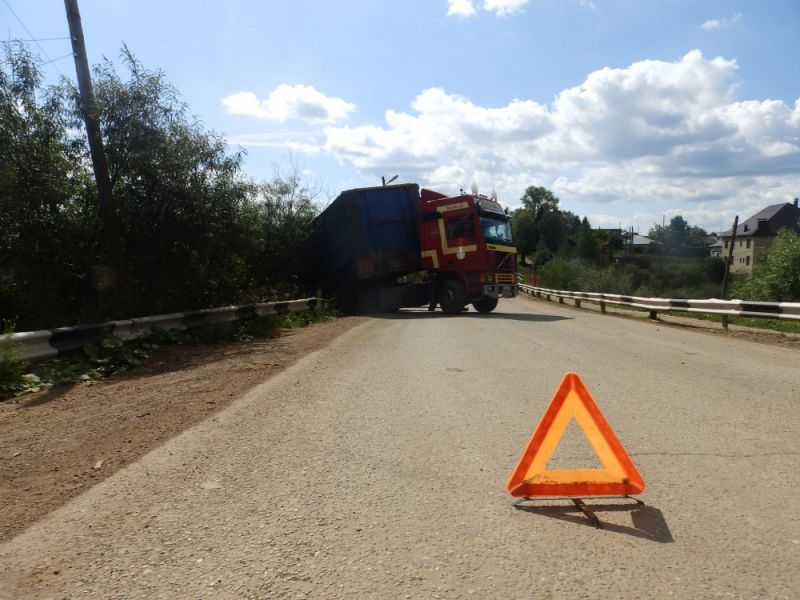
x: 504, y: 278
x: 504, y: 261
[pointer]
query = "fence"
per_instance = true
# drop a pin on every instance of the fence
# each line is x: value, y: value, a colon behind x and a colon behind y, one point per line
x: 32, y: 345
x: 726, y: 308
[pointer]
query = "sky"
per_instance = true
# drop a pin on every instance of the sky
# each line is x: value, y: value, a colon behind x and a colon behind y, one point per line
x: 630, y: 111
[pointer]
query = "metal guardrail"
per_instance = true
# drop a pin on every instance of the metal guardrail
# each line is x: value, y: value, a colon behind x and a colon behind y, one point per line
x: 32, y: 345
x: 726, y: 308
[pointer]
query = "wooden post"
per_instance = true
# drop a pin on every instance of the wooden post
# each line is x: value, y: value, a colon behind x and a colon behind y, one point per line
x: 654, y: 315
x: 729, y: 260
x: 577, y: 303
x: 602, y: 307
x: 725, y: 322
x: 107, y: 209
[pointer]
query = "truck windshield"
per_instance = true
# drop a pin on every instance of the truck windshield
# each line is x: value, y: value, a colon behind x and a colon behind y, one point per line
x: 496, y: 230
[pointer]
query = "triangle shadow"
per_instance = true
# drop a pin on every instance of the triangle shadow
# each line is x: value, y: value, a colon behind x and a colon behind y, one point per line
x: 647, y: 522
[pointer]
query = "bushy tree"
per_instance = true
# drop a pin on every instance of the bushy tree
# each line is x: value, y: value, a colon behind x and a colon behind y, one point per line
x: 776, y: 277
x: 538, y: 201
x: 46, y: 227
x: 283, y: 213
x: 563, y: 274
x: 194, y: 232
x: 526, y: 236
x: 179, y: 193
x: 679, y: 238
x: 539, y: 205
x: 586, y: 247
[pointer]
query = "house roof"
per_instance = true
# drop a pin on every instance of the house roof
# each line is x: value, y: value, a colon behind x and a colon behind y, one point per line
x: 774, y: 217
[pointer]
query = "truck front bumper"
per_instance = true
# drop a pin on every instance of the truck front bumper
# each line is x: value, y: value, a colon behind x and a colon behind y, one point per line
x: 502, y: 290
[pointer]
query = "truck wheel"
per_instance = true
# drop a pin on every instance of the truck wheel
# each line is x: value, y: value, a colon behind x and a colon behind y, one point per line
x: 485, y: 305
x: 452, y: 297
x: 347, y: 300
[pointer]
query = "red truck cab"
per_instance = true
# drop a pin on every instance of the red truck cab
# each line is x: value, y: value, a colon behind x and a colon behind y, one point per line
x: 468, y: 251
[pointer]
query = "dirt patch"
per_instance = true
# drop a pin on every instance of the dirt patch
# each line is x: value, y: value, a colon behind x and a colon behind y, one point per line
x: 57, y: 443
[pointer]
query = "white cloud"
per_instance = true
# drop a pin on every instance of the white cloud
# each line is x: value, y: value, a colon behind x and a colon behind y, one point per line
x: 588, y: 4
x: 503, y: 7
x: 290, y: 102
x: 466, y: 8
x: 295, y: 141
x: 713, y: 24
x: 649, y: 135
x: 462, y: 8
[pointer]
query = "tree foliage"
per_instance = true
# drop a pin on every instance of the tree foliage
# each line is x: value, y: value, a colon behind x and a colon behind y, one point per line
x: 45, y: 221
x: 776, y: 277
x: 679, y: 238
x: 194, y: 231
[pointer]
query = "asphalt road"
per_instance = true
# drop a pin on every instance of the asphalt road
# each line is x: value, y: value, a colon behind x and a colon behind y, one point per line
x: 376, y: 468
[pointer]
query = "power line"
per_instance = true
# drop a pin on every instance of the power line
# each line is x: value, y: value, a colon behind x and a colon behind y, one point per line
x: 46, y: 39
x: 33, y: 38
x: 59, y: 58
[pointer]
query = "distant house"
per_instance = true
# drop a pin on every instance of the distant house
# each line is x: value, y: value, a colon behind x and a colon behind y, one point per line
x: 638, y: 243
x: 755, y: 235
x: 715, y: 248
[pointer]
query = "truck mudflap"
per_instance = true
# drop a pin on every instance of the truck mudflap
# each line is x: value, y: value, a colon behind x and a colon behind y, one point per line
x: 503, y: 290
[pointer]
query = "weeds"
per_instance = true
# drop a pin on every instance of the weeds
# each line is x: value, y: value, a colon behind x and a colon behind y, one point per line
x: 12, y: 369
x: 112, y: 355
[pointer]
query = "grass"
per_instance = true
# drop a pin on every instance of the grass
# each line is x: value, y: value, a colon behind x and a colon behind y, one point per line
x: 784, y: 326
x: 112, y: 355
x: 780, y: 325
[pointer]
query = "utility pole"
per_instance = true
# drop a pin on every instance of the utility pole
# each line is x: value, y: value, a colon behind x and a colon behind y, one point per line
x: 106, y: 279
x: 729, y: 260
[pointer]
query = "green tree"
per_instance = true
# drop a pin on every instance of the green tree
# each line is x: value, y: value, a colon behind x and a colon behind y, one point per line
x: 538, y: 201
x: 776, y: 278
x: 195, y: 232
x: 539, y: 205
x: 679, y: 238
x: 180, y: 195
x: 284, y: 211
x: 586, y: 247
x: 45, y: 228
x: 526, y: 236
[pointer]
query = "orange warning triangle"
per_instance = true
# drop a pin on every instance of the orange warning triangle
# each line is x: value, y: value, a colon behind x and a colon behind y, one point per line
x: 531, y: 477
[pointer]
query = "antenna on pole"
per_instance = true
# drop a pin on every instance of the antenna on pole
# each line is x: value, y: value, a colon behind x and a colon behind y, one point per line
x: 385, y: 183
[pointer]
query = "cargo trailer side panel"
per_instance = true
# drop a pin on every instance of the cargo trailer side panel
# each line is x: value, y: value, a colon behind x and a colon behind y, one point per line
x: 368, y: 234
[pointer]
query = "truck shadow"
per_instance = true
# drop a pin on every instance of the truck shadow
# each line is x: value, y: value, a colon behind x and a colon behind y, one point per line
x: 437, y: 314
x: 647, y: 522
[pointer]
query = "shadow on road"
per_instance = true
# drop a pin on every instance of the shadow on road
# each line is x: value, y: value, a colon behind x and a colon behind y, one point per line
x: 403, y: 314
x: 647, y: 522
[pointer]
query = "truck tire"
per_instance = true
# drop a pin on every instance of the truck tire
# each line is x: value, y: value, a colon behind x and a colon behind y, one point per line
x: 485, y: 305
x: 347, y: 300
x: 452, y: 297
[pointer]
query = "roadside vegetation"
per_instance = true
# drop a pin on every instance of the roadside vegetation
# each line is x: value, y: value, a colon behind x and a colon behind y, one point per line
x: 191, y: 230
x: 112, y: 355
x: 566, y: 253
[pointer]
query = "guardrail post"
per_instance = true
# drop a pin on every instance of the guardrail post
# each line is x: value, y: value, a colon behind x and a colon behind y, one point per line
x: 725, y: 322
x: 548, y: 297
x: 654, y: 315
x: 560, y: 300
x: 603, y: 307
x: 577, y: 303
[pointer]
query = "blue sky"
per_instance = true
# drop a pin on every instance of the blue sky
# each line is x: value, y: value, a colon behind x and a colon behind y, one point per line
x: 629, y: 110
